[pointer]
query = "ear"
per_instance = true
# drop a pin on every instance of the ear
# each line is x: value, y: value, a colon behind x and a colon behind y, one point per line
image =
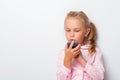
x: 87, y: 32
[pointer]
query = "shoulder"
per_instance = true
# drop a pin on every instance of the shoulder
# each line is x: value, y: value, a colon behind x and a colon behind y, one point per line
x: 61, y: 53
x: 98, y: 53
x: 60, y: 56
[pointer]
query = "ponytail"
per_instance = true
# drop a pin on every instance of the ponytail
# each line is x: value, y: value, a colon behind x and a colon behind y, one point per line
x: 92, y: 38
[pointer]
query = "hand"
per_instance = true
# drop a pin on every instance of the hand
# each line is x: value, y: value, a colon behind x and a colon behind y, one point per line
x: 70, y: 53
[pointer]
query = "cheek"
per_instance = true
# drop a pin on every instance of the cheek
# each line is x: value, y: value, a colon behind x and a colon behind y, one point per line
x: 67, y: 35
x: 80, y: 36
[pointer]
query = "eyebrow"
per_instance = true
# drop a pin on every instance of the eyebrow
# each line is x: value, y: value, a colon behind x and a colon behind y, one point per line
x: 77, y: 28
x: 73, y: 28
x: 67, y: 28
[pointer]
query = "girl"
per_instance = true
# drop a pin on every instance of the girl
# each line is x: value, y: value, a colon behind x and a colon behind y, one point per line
x: 83, y: 62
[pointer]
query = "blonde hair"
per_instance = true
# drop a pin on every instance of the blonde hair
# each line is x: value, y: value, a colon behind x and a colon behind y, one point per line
x: 91, y: 37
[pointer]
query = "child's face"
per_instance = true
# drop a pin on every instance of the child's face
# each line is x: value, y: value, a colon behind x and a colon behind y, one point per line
x: 75, y: 30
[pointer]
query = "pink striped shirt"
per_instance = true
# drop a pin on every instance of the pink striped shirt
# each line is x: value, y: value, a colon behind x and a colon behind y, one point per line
x: 93, y: 70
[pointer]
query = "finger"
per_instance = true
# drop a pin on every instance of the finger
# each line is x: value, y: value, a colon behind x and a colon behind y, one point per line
x: 76, y: 54
x: 78, y: 51
x: 71, y: 44
x: 77, y: 48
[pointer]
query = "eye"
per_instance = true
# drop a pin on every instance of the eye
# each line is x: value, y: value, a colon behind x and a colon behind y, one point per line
x: 67, y: 30
x: 77, y: 30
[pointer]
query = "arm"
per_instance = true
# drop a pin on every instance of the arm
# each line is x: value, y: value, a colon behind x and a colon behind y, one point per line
x: 65, y: 60
x: 63, y: 73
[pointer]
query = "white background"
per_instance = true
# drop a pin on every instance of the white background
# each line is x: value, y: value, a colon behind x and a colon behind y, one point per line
x: 31, y: 36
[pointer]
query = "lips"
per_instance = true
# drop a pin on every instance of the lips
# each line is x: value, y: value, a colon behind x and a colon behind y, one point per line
x: 72, y: 40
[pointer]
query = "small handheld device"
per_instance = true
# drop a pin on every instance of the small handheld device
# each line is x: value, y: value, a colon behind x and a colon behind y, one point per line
x: 74, y: 45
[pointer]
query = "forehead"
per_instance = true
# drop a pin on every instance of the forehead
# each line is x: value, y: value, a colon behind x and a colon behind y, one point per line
x: 72, y: 22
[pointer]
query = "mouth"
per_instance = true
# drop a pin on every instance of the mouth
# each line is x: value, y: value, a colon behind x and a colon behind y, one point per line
x: 72, y: 40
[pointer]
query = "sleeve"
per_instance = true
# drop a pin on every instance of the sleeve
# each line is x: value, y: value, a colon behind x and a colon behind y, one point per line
x: 62, y: 73
x: 94, y: 69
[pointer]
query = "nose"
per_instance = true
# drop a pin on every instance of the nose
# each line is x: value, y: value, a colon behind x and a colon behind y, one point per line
x: 71, y: 34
